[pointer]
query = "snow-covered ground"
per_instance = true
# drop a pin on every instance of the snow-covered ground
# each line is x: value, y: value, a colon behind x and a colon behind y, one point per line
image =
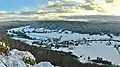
x: 15, y: 60
x: 21, y: 54
x: 102, y: 47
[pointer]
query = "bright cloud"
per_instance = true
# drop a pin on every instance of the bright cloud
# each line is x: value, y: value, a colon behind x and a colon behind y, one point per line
x: 77, y: 6
x: 110, y: 6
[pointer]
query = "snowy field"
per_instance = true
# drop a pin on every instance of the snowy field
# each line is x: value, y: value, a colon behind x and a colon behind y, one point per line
x: 104, y: 46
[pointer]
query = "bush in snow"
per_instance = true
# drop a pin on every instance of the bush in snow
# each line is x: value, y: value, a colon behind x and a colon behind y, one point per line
x: 4, y: 49
x: 29, y: 60
x: 26, y: 56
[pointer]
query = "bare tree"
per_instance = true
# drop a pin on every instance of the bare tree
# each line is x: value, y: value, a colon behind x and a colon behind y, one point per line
x: 117, y: 48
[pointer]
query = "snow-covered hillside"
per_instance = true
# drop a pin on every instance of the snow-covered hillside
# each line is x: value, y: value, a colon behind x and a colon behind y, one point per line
x: 16, y: 60
x: 85, y: 45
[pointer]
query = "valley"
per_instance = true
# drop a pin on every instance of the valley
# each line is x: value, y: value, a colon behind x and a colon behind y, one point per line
x: 59, y: 39
x: 104, y: 45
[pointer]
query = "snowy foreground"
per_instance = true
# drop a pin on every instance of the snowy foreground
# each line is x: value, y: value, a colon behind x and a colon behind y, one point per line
x: 15, y: 60
x: 63, y: 40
